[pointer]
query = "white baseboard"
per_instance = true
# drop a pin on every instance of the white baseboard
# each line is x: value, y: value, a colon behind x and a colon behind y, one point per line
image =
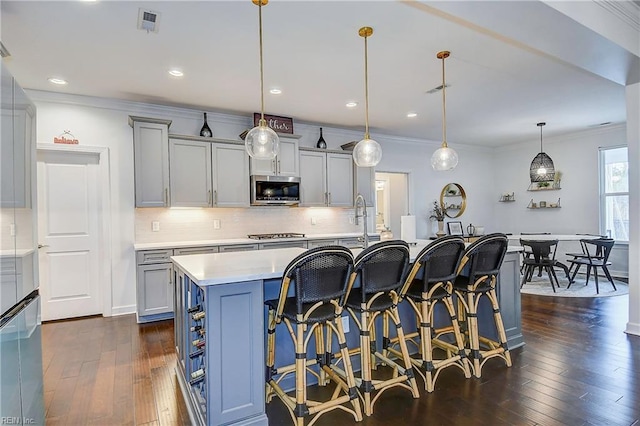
x: 633, y: 329
x: 123, y: 310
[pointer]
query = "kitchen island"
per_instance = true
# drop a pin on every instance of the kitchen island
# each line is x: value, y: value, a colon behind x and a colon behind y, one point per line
x: 220, y: 331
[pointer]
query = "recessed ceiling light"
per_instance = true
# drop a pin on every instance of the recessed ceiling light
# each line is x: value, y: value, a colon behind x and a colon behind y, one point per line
x: 412, y: 115
x: 275, y: 91
x: 58, y: 81
x: 176, y: 72
x: 352, y: 104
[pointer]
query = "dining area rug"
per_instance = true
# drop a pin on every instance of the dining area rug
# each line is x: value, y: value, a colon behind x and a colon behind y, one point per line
x: 541, y: 286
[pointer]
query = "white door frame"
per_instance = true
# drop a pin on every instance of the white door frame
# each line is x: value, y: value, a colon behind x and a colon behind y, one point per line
x: 104, y: 212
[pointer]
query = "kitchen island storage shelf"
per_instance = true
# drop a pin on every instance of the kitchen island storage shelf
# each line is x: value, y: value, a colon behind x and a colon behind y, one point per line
x: 231, y: 289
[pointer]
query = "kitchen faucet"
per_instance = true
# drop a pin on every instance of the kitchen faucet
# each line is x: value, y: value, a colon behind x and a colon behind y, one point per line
x: 361, y: 204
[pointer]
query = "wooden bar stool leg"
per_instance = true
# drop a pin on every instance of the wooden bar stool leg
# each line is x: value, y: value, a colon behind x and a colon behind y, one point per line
x: 301, y: 409
x: 385, y: 334
x: 271, y: 352
x: 427, y: 346
x: 474, y: 338
x: 365, y: 360
x: 405, y: 352
x: 320, y: 352
x: 348, y: 368
x: 448, y: 302
x: 497, y: 317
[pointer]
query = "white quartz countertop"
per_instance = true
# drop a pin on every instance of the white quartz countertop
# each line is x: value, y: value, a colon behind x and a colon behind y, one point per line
x: 204, y: 243
x: 223, y: 268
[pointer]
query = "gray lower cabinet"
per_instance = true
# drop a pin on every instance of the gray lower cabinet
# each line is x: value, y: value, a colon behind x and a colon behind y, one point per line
x: 195, y: 250
x: 154, y: 285
x: 321, y: 243
x: 238, y: 247
x: 283, y: 244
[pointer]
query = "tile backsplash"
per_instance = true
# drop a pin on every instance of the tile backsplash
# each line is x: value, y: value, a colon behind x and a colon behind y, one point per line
x: 180, y: 224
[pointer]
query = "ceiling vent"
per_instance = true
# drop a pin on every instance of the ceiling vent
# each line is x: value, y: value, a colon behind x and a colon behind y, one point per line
x: 3, y: 51
x: 148, y: 20
x: 437, y: 89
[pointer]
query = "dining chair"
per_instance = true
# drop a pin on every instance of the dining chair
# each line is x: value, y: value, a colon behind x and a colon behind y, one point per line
x: 543, y: 257
x: 597, y: 256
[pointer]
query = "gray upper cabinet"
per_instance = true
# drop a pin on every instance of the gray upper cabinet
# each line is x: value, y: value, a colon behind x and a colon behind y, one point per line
x: 285, y: 164
x: 190, y: 173
x: 151, y: 161
x: 365, y: 178
x: 313, y: 178
x: 230, y: 175
x: 326, y: 179
x: 340, y: 180
x: 205, y: 174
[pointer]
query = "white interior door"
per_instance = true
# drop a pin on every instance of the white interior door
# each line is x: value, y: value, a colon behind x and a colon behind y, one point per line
x: 69, y: 233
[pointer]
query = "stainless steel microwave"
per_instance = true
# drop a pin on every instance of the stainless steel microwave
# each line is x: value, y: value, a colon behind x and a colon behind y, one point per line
x: 275, y: 190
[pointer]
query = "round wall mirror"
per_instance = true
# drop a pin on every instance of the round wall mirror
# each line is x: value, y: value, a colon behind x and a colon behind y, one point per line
x: 453, y: 200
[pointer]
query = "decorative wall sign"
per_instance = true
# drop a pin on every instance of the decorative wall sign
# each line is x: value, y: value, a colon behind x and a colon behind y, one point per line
x: 275, y: 123
x: 67, y: 138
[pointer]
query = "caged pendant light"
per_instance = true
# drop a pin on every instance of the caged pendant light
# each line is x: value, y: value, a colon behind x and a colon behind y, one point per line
x: 367, y: 152
x: 444, y: 158
x: 541, y: 169
x: 261, y: 142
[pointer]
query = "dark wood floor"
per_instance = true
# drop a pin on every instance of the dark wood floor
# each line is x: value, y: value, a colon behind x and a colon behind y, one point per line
x: 578, y: 368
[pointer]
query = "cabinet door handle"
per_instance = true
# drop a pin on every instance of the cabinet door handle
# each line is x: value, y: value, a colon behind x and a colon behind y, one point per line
x: 279, y: 169
x: 329, y: 199
x: 326, y: 198
x: 166, y: 196
x: 215, y: 197
x: 274, y: 167
x: 210, y: 199
x: 170, y: 280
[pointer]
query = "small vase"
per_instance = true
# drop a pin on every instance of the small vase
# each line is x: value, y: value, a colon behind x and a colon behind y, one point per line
x: 321, y: 142
x: 206, y: 130
x: 440, y: 232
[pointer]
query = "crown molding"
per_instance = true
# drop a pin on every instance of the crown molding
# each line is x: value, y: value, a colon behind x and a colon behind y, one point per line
x: 136, y: 108
x: 626, y: 11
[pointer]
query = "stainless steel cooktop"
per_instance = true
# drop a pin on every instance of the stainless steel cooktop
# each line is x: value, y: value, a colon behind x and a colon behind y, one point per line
x: 275, y: 236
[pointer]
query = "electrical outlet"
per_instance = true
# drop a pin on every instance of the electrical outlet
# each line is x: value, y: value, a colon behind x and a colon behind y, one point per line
x: 314, y: 221
x: 352, y: 219
x: 216, y: 223
x: 155, y: 226
x: 345, y: 324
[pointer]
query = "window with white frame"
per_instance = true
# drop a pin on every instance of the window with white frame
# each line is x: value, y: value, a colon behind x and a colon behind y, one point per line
x: 614, y: 193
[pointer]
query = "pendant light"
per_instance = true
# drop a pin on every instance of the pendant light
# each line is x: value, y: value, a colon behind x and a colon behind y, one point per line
x: 444, y: 158
x: 261, y: 142
x: 367, y: 152
x: 541, y: 169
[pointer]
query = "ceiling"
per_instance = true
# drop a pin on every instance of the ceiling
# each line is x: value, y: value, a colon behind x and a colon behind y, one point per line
x: 512, y: 64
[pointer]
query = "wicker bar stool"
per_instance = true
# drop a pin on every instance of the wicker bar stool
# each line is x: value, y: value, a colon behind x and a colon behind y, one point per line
x: 320, y: 277
x: 381, y: 269
x: 438, y: 264
x: 481, y: 262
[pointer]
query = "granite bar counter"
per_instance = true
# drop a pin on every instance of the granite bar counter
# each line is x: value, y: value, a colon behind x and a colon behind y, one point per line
x: 220, y: 327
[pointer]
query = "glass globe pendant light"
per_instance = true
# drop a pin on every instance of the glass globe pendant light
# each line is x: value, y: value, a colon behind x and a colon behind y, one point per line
x: 261, y: 142
x: 367, y: 152
x: 444, y: 158
x: 542, y: 169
